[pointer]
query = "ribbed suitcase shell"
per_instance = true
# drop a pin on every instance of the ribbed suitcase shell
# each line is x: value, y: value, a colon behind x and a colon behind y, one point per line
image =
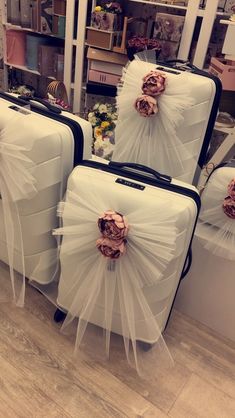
x: 196, y: 129
x: 53, y: 153
x: 184, y: 201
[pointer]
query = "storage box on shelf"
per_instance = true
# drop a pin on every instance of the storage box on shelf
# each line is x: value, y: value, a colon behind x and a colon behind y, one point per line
x: 225, y: 70
x: 102, y: 38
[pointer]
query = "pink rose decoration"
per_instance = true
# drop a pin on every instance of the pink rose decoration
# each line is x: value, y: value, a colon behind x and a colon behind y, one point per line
x: 231, y: 189
x: 113, y: 225
x: 146, y: 105
x: 229, y: 207
x: 154, y: 83
x: 111, y: 248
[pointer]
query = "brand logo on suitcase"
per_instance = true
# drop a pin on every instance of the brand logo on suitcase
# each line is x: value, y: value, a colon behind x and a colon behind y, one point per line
x: 130, y: 184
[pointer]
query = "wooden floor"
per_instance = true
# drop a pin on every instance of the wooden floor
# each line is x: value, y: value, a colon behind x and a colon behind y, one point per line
x: 40, y: 377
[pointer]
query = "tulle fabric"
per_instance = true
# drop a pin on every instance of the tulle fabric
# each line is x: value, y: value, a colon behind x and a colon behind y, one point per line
x: 16, y: 183
x: 152, y: 141
x: 222, y: 228
x: 112, y: 294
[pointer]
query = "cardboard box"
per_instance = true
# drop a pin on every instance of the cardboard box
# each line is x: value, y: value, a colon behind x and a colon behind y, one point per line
x: 46, y: 59
x: 59, y: 66
x: 106, y: 21
x: 45, y: 16
x: 59, y: 26
x: 25, y: 13
x: 13, y: 11
x: 102, y: 39
x: 15, y: 47
x: 106, y: 56
x: 106, y: 67
x: 103, y: 78
x: 168, y: 27
x: 60, y: 7
x: 224, y: 71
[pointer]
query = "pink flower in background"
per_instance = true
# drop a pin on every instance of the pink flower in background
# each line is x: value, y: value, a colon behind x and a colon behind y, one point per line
x: 154, y: 83
x: 113, y: 225
x: 229, y: 207
x: 231, y: 189
x: 146, y: 105
x: 111, y: 248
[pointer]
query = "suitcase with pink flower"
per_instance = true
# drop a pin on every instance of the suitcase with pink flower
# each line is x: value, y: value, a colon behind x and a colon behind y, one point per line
x: 39, y: 147
x: 126, y: 236
x: 166, y: 114
x: 217, y: 216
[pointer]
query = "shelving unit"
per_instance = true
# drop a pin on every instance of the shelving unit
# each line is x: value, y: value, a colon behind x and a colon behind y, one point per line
x: 73, y: 49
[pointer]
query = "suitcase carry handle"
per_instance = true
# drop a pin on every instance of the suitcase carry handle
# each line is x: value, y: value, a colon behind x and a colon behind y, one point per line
x: 49, y: 106
x: 142, y: 168
x: 184, y: 64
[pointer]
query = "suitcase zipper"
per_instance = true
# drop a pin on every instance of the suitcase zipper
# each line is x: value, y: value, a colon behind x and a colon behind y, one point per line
x: 73, y: 125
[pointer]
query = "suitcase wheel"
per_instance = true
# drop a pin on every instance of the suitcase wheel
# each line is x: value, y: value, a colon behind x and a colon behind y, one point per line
x: 59, y: 315
x: 144, y: 346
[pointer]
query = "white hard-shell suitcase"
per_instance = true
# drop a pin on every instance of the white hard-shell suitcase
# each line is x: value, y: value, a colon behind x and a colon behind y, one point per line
x: 208, y: 293
x: 54, y: 141
x: 175, y: 139
x: 161, y: 213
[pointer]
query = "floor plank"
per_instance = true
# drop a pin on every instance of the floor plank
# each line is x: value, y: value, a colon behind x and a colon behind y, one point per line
x: 201, y: 400
x: 38, y: 368
x: 203, y: 352
x: 45, y: 357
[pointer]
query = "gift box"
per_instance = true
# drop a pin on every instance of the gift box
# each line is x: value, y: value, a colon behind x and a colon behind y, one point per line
x: 168, y: 27
x: 106, y: 21
x: 15, y: 47
x: 101, y: 38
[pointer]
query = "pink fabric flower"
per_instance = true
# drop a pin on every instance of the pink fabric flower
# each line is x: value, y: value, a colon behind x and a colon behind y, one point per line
x: 154, y: 83
x: 146, y: 105
x: 113, y: 225
x: 229, y: 207
x: 111, y: 248
x: 231, y: 189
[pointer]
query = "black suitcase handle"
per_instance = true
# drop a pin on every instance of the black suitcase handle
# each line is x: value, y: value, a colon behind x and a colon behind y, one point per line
x: 142, y: 168
x: 184, y: 64
x: 49, y: 106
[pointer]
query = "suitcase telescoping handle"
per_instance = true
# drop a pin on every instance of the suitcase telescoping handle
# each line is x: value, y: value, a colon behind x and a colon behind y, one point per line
x: 49, y: 106
x: 142, y: 168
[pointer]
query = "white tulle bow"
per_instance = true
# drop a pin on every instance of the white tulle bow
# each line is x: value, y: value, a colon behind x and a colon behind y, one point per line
x: 220, y: 228
x: 88, y: 279
x: 16, y: 183
x: 152, y: 141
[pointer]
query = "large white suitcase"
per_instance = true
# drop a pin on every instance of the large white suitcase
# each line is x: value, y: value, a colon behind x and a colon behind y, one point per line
x: 133, y: 295
x: 175, y: 139
x: 53, y: 141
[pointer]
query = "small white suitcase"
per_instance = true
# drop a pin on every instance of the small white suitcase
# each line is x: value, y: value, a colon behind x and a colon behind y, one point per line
x: 133, y: 295
x: 174, y: 140
x: 208, y: 293
x: 53, y: 141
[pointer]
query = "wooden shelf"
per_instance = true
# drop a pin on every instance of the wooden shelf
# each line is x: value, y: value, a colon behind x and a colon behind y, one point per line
x: 24, y: 68
x: 175, y: 6
x: 9, y: 26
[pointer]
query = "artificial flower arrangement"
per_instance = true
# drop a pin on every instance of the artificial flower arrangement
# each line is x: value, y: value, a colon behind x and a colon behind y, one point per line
x: 139, y: 43
x: 154, y: 84
x: 103, y: 120
x: 229, y: 201
x: 107, y: 17
x: 114, y: 229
